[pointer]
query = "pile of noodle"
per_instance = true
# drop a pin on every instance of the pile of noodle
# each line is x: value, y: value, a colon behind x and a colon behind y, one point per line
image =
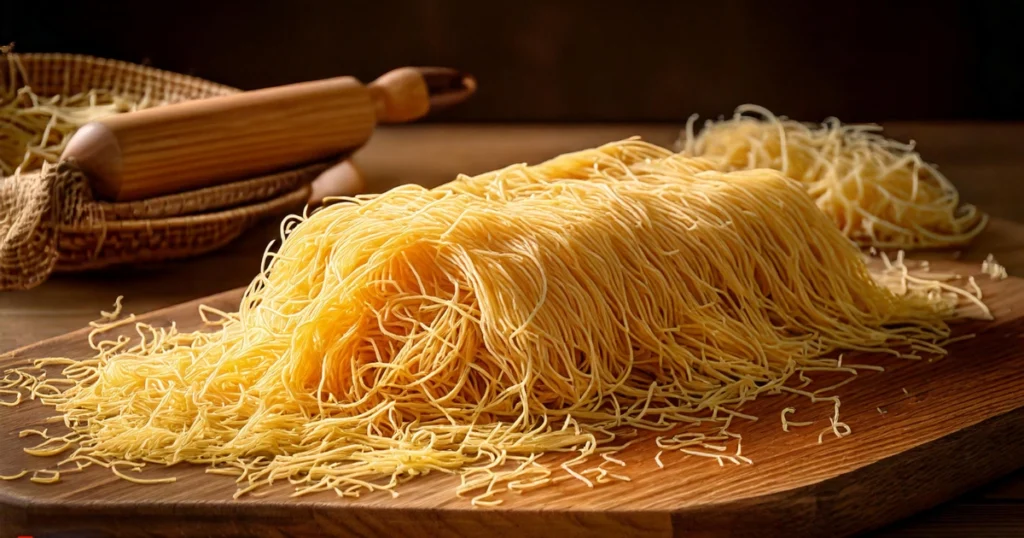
x: 480, y: 326
x: 878, y: 191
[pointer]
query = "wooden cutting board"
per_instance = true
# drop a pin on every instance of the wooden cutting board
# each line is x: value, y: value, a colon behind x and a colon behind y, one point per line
x: 923, y: 432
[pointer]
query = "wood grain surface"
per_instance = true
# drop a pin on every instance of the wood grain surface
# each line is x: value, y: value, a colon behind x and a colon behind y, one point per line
x: 984, y: 160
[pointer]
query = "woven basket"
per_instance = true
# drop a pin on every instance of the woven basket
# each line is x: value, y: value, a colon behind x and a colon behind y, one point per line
x: 168, y: 227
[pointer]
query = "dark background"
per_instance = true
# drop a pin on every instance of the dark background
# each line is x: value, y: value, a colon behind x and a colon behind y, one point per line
x: 573, y: 60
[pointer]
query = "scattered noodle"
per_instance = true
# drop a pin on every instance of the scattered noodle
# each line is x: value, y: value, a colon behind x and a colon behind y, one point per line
x: 897, y: 277
x: 505, y: 328
x: 577, y: 476
x: 787, y: 423
x: 992, y: 268
x: 116, y: 312
x: 616, y: 461
x: 720, y: 458
x: 141, y: 480
x: 16, y: 394
x: 53, y: 478
x: 63, y: 444
x: 878, y: 191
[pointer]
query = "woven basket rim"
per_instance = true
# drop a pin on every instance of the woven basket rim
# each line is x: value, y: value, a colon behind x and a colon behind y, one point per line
x: 118, y: 64
x: 258, y: 210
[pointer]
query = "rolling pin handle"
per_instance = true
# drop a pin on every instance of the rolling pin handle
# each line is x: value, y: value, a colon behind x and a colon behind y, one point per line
x: 447, y: 87
x: 409, y: 93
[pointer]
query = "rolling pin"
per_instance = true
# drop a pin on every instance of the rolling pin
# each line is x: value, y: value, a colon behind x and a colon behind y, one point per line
x: 195, y: 144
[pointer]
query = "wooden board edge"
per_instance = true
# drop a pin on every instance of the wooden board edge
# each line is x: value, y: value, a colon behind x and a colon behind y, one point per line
x: 868, y: 498
x: 247, y: 519
x: 860, y: 500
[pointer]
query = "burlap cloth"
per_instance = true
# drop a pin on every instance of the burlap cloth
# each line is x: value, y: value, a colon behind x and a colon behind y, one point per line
x: 33, y: 208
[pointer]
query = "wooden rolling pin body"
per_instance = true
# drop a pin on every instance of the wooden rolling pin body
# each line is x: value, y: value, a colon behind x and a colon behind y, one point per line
x: 200, y: 143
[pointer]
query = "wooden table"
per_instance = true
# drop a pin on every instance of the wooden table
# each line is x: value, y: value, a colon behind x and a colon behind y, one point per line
x: 986, y: 161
